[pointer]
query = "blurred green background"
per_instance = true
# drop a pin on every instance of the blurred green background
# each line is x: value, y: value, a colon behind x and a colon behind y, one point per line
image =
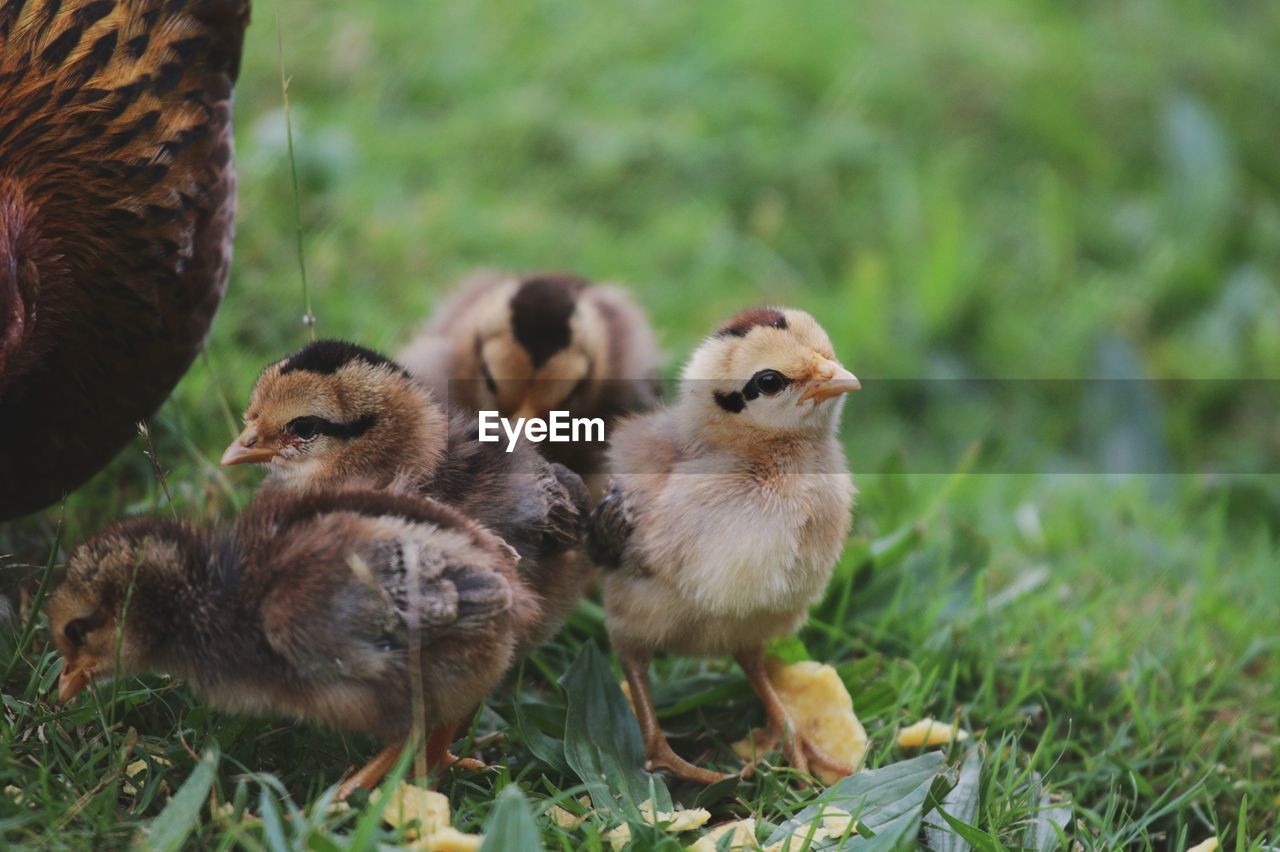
x: 998, y: 188
x: 1006, y: 189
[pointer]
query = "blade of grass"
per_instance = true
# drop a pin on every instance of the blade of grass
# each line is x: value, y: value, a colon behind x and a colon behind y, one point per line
x: 308, y: 318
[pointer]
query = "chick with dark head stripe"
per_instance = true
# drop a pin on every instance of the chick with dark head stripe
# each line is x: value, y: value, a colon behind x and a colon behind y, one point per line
x: 348, y: 608
x: 726, y: 513
x: 525, y: 346
x: 335, y: 413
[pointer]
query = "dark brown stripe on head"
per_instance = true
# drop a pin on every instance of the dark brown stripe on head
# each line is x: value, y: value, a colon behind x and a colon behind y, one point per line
x: 328, y: 356
x: 540, y: 312
x: 751, y: 318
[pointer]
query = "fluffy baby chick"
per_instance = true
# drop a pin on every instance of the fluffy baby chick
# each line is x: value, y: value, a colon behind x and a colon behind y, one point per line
x: 727, y: 512
x: 334, y: 413
x: 370, y: 611
x: 527, y: 346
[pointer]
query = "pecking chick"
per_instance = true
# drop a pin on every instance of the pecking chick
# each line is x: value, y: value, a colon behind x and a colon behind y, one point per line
x: 369, y: 611
x: 117, y: 207
x: 726, y: 513
x: 526, y: 346
x: 335, y: 413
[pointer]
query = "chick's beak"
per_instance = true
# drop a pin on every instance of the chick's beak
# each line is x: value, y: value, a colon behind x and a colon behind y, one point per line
x: 73, y: 680
x: 528, y: 412
x: 838, y: 380
x: 247, y: 449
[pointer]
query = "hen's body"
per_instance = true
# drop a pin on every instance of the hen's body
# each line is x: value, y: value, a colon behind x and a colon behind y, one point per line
x: 116, y: 209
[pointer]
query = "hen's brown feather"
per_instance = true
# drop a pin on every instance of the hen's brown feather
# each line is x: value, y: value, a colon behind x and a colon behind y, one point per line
x: 116, y: 218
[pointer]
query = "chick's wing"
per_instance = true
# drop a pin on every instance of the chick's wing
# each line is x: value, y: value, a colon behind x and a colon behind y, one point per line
x: 568, y: 507
x: 355, y: 607
x: 610, y: 528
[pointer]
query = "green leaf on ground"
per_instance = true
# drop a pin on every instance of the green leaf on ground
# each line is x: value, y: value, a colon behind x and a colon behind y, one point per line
x: 961, y: 804
x: 511, y: 825
x: 176, y: 822
x: 888, y: 801
x: 602, y: 740
x: 1045, y: 833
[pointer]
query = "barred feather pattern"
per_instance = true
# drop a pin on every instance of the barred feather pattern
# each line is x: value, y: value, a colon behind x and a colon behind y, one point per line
x: 116, y: 221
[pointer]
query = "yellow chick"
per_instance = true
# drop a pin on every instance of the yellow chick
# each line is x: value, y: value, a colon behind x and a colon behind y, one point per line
x: 726, y: 513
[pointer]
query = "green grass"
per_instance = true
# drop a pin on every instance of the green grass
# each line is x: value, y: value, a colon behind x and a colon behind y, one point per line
x: 1006, y: 188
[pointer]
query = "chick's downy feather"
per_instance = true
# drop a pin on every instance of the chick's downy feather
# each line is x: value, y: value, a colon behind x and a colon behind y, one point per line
x: 335, y: 607
x: 383, y: 428
x: 722, y: 527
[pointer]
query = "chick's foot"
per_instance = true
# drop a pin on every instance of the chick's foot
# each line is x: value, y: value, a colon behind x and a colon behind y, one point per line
x: 662, y: 757
x: 469, y: 764
x: 801, y: 752
x: 368, y: 776
x: 657, y: 751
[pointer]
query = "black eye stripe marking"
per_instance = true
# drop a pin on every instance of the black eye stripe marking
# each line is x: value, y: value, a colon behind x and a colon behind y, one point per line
x: 766, y: 382
x: 79, y: 628
x: 310, y: 427
x: 730, y: 402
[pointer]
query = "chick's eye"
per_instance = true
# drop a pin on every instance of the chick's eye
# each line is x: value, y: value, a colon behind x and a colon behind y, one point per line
x: 770, y: 382
x: 76, y: 630
x: 304, y: 427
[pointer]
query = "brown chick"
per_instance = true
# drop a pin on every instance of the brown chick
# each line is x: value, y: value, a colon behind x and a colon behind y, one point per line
x: 525, y: 346
x: 727, y: 512
x: 116, y: 212
x: 334, y: 413
x: 368, y: 611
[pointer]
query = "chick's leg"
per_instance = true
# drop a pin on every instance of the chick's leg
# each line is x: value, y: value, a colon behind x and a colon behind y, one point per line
x: 799, y: 749
x: 439, y: 757
x: 657, y: 751
x: 371, y: 773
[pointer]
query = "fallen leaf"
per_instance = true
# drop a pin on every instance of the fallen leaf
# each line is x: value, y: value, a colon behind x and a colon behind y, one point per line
x: 834, y: 824
x: 449, y: 839
x: 133, y: 770
x: 408, y: 804
x: 675, y: 821
x: 1207, y: 846
x: 930, y: 732
x: 837, y: 822
x: 564, y: 819
x: 822, y: 709
x: 619, y: 836
x: 742, y: 833
x: 567, y: 819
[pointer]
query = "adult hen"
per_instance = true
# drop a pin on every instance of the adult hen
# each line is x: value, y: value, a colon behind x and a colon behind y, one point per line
x: 116, y: 210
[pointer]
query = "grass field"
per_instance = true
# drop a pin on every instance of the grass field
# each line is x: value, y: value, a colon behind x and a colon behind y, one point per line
x: 1001, y: 188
